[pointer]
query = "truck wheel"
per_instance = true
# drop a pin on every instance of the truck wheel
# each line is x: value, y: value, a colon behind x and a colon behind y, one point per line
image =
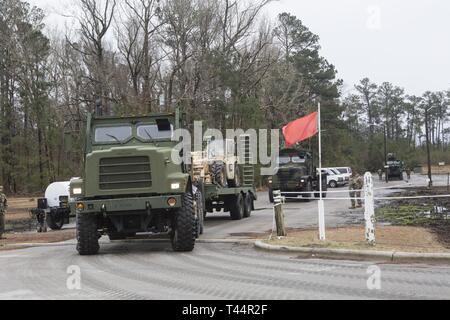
x: 183, y: 225
x: 218, y: 171
x: 333, y: 184
x: 87, y: 234
x: 271, y: 195
x: 200, y: 212
x: 307, y: 196
x: 237, y: 204
x: 55, y: 220
x: 248, y: 205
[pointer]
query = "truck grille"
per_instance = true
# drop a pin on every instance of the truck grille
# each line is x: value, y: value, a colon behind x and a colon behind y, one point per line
x: 125, y: 173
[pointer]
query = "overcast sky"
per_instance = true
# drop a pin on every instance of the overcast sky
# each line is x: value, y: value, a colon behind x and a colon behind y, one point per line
x: 405, y: 42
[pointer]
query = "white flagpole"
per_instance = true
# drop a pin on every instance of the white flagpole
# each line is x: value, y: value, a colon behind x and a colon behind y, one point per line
x: 321, y: 205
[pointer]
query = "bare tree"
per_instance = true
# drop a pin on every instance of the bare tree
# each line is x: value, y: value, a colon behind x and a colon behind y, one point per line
x: 95, y: 20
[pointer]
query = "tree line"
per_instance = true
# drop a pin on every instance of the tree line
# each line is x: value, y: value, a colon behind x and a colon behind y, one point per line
x: 220, y: 61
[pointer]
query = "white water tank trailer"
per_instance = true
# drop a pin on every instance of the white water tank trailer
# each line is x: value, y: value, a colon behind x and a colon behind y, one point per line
x: 53, y: 210
x: 55, y: 191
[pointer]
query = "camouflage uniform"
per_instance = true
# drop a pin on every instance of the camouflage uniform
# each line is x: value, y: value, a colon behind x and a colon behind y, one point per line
x: 380, y: 174
x: 3, y: 206
x: 355, y: 187
x: 408, y: 173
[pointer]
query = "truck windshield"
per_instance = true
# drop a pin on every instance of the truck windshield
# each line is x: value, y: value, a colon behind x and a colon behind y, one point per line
x: 151, y: 132
x: 296, y: 159
x: 284, y: 160
x: 116, y: 134
x: 287, y: 159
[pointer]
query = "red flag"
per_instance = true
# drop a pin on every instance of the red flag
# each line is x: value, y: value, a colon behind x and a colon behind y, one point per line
x: 301, y: 129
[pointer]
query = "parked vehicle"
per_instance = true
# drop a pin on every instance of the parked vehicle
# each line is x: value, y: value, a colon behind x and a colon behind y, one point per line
x: 297, y: 176
x: 395, y: 167
x: 347, y: 172
x: 334, y: 178
x: 53, y: 211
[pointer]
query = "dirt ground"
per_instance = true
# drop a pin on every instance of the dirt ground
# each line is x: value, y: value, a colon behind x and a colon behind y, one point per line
x: 11, y: 239
x: 398, y: 238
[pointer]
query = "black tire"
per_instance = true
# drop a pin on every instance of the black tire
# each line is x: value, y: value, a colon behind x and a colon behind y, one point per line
x: 200, y: 212
x: 333, y: 184
x: 237, y: 204
x: 309, y: 189
x: 218, y: 172
x: 87, y: 235
x: 271, y: 195
x: 55, y: 220
x: 248, y: 205
x: 184, y: 226
x: 236, y: 182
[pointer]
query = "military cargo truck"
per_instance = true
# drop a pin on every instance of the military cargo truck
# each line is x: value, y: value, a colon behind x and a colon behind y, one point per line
x: 297, y: 176
x: 395, y: 167
x: 130, y: 184
x: 227, y: 182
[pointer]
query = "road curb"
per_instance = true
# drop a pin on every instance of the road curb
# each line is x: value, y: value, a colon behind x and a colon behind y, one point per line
x: 226, y: 241
x: 344, y: 254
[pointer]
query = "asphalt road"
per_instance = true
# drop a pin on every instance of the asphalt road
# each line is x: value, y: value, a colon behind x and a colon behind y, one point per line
x: 150, y: 270
x: 212, y: 271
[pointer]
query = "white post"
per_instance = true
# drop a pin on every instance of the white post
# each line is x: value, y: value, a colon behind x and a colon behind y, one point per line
x: 321, y: 205
x: 369, y: 211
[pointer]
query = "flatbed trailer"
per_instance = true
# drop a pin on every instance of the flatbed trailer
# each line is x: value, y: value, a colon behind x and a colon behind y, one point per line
x: 238, y: 201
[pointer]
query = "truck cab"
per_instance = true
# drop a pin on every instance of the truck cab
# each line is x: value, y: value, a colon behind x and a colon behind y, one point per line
x: 131, y: 185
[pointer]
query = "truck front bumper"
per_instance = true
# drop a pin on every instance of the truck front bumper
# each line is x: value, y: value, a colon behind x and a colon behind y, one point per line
x: 111, y: 206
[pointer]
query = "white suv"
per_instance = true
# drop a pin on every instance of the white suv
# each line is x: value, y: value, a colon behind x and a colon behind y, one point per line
x: 334, y: 178
x: 346, y: 172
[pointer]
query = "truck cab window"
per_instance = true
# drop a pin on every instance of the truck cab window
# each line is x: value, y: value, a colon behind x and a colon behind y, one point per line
x: 152, y: 132
x: 116, y: 134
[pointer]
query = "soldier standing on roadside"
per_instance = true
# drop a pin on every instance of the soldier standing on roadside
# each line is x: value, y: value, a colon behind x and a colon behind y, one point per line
x: 380, y: 174
x: 3, y: 206
x: 355, y: 187
x: 408, y: 173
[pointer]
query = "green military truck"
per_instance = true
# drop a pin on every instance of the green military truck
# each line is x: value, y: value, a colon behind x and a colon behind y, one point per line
x: 395, y: 167
x: 296, y: 176
x: 131, y: 185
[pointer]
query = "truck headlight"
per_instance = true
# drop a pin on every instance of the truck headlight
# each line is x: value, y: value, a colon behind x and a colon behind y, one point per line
x: 302, y: 181
x: 175, y: 186
x: 77, y: 191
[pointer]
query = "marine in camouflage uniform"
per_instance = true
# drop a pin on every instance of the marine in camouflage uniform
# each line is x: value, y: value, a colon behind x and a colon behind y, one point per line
x: 3, y: 206
x: 355, y: 187
x: 408, y: 173
x: 380, y: 174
